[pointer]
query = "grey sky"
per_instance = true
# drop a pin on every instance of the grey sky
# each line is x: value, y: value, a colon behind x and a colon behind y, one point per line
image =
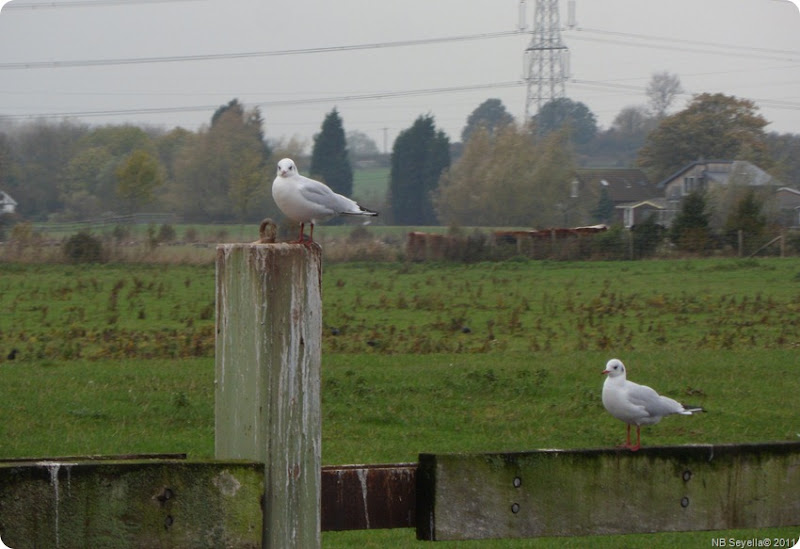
x: 746, y: 48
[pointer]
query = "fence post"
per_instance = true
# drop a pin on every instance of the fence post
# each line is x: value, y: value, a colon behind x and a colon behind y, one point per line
x: 267, y: 379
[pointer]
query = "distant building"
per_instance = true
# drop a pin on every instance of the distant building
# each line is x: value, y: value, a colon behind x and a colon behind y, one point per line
x: 630, y: 192
x: 706, y: 175
x: 633, y: 213
x: 7, y: 204
x: 787, y: 202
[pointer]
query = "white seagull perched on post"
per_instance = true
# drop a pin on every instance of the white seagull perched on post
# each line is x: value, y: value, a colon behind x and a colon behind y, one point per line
x: 305, y: 200
x: 636, y: 404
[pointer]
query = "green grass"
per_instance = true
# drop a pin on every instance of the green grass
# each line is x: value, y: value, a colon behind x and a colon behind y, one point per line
x: 79, y: 407
x: 370, y: 185
x: 105, y: 371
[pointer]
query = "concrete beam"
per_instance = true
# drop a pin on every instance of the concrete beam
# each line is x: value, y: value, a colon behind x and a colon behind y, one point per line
x: 608, y: 491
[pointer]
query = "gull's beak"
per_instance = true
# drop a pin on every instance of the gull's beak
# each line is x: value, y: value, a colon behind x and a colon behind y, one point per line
x: 605, y: 372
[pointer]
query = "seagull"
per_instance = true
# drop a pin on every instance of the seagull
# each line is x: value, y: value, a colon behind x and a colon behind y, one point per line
x: 636, y: 404
x: 305, y: 200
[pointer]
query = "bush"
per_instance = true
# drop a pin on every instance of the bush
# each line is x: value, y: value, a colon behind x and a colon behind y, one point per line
x: 612, y: 244
x: 83, y: 248
x: 190, y: 235
x: 166, y: 233
x: 121, y: 232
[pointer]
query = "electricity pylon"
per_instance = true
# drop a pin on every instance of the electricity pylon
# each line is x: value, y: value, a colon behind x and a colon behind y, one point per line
x: 546, y: 58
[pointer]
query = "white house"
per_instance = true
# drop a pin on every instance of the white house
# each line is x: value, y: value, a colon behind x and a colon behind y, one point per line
x: 7, y: 204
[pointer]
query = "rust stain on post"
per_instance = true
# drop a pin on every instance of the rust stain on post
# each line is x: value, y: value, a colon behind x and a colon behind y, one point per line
x: 268, y: 353
x: 363, y: 497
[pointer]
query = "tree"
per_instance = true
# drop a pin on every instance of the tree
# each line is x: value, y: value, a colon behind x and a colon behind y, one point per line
x: 508, y: 179
x: 662, y: 90
x: 712, y: 126
x: 634, y: 121
x: 491, y: 114
x: 40, y: 153
x: 221, y: 173
x: 647, y: 236
x: 690, y: 228
x: 748, y: 218
x: 138, y: 177
x: 88, y: 183
x: 329, y: 158
x: 251, y: 119
x: 360, y: 145
x: 784, y: 149
x: 604, y: 211
x: 419, y: 155
x: 574, y: 115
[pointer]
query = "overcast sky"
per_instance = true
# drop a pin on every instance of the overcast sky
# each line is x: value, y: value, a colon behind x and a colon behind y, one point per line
x: 746, y: 48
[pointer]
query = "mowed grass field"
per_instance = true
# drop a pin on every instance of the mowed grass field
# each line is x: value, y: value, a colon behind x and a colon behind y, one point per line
x: 416, y: 358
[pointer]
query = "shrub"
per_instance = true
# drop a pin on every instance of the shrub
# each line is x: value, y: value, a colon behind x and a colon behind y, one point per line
x: 166, y: 233
x: 83, y: 248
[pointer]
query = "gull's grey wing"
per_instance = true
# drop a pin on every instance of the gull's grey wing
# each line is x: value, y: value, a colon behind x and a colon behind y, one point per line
x: 655, y: 404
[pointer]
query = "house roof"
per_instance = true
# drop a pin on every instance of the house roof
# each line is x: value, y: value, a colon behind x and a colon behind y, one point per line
x: 622, y: 184
x: 6, y: 199
x: 715, y: 172
x: 658, y: 203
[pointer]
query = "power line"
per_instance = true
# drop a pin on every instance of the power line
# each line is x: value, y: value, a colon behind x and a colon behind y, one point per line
x: 692, y: 50
x: 673, y: 40
x: 626, y: 88
x: 276, y: 103
x: 241, y: 55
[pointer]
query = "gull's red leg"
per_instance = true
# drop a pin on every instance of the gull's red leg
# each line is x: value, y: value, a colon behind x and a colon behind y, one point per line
x: 638, y: 439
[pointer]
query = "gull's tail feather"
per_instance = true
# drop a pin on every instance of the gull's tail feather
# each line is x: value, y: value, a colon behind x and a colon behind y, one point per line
x: 689, y: 410
x: 361, y: 211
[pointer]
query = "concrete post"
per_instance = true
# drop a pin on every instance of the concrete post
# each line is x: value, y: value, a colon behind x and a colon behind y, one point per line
x: 267, y: 383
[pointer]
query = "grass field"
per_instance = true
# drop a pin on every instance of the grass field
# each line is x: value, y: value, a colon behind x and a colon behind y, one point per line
x: 370, y: 185
x: 416, y: 358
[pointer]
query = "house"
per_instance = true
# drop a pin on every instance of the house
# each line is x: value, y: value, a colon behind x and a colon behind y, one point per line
x: 630, y: 193
x: 7, y: 204
x: 787, y: 202
x: 709, y: 175
x: 632, y: 213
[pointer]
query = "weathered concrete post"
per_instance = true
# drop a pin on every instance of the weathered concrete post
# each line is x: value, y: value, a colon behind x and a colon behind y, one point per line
x: 268, y: 351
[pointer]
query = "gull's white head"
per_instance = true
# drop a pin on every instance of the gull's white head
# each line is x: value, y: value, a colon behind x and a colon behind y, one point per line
x: 286, y: 168
x: 614, y: 368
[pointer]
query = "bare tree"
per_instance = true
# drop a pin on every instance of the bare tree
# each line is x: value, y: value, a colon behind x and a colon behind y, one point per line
x: 662, y: 90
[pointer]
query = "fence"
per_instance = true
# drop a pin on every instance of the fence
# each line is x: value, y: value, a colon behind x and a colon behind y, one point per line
x: 108, y: 221
x: 266, y: 487
x: 596, y: 242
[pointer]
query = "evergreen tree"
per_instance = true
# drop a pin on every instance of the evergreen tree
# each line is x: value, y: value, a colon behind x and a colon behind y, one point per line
x: 604, y: 211
x: 690, y: 229
x: 647, y: 236
x: 419, y: 156
x: 748, y: 218
x: 329, y: 157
